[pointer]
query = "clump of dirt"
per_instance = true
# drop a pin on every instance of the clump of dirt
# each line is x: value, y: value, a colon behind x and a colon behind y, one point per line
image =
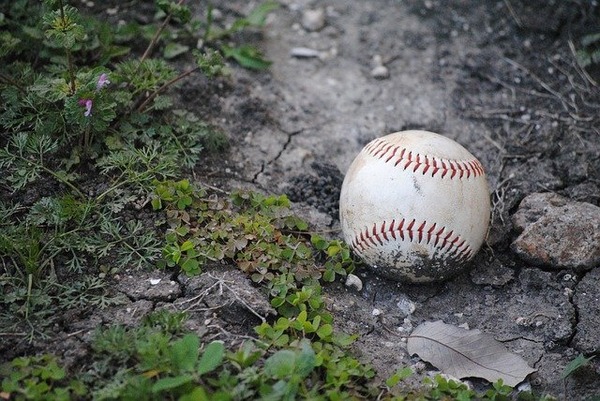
x: 320, y: 189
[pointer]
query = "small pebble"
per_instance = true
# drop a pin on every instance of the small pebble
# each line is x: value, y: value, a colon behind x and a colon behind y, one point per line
x: 380, y: 72
x: 376, y: 312
x: 353, y: 281
x: 313, y: 20
x: 217, y: 15
x: 419, y: 367
x: 526, y: 386
x: 304, y: 52
x: 377, y: 60
x: 154, y: 281
x: 405, y: 305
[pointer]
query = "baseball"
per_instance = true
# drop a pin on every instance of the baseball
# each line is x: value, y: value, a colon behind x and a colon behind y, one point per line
x: 415, y: 206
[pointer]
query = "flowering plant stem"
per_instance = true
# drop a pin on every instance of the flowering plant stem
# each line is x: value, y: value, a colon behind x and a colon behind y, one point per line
x: 70, y: 67
x: 157, y: 35
x: 157, y: 92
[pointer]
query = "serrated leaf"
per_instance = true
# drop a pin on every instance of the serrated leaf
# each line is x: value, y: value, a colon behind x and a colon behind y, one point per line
x: 281, y: 364
x: 184, y: 352
x: 467, y: 353
x: 211, y: 358
x: 307, y: 360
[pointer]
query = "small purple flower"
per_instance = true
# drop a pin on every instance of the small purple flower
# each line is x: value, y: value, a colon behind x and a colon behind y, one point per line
x: 102, y: 81
x: 87, y: 103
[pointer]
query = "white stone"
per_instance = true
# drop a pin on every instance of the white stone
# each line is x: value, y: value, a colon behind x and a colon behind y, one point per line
x: 313, y: 20
x: 406, y: 306
x: 354, y: 281
x: 305, y: 52
x: 380, y: 72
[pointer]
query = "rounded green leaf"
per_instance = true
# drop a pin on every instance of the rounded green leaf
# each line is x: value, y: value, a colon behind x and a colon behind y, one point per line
x: 281, y: 364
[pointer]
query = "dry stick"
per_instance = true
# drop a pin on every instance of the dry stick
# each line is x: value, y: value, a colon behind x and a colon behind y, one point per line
x: 147, y: 53
x: 513, y: 14
x: 204, y: 184
x: 581, y: 70
x: 220, y: 283
x: 501, y: 148
x: 508, y: 86
x: 580, y: 89
x: 543, y: 84
x: 227, y: 333
x: 157, y: 34
x: 577, y: 87
x: 498, y: 202
x: 239, y: 298
x: 165, y: 86
x: 199, y: 298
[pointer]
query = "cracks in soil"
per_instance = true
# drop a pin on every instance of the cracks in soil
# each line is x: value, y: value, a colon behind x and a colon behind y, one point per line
x: 284, y: 147
x: 571, y: 293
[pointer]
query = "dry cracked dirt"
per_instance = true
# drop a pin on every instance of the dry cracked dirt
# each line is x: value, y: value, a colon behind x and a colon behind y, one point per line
x: 499, y: 77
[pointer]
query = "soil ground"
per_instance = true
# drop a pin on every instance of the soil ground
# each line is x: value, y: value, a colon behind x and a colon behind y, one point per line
x: 499, y: 77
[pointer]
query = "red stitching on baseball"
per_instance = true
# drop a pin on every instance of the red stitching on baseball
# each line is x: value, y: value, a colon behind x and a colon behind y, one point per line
x: 380, y: 149
x: 419, y: 232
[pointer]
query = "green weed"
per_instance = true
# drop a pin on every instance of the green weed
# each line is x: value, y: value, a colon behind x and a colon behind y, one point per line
x: 38, y: 378
x: 93, y: 123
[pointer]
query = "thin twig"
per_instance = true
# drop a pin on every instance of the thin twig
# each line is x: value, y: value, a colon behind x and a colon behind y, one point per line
x: 157, y: 35
x: 165, y: 86
x: 223, y: 331
x: 543, y: 84
x: 581, y: 70
x: 254, y: 312
x: 513, y: 14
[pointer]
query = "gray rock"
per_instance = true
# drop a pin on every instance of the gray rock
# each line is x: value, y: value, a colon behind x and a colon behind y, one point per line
x: 380, y: 72
x: 587, y: 299
x: 354, y: 281
x: 557, y: 232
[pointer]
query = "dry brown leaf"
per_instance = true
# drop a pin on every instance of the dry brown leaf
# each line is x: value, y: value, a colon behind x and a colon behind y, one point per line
x: 467, y: 353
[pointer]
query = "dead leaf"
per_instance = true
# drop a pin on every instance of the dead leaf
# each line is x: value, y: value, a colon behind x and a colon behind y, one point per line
x: 467, y: 353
